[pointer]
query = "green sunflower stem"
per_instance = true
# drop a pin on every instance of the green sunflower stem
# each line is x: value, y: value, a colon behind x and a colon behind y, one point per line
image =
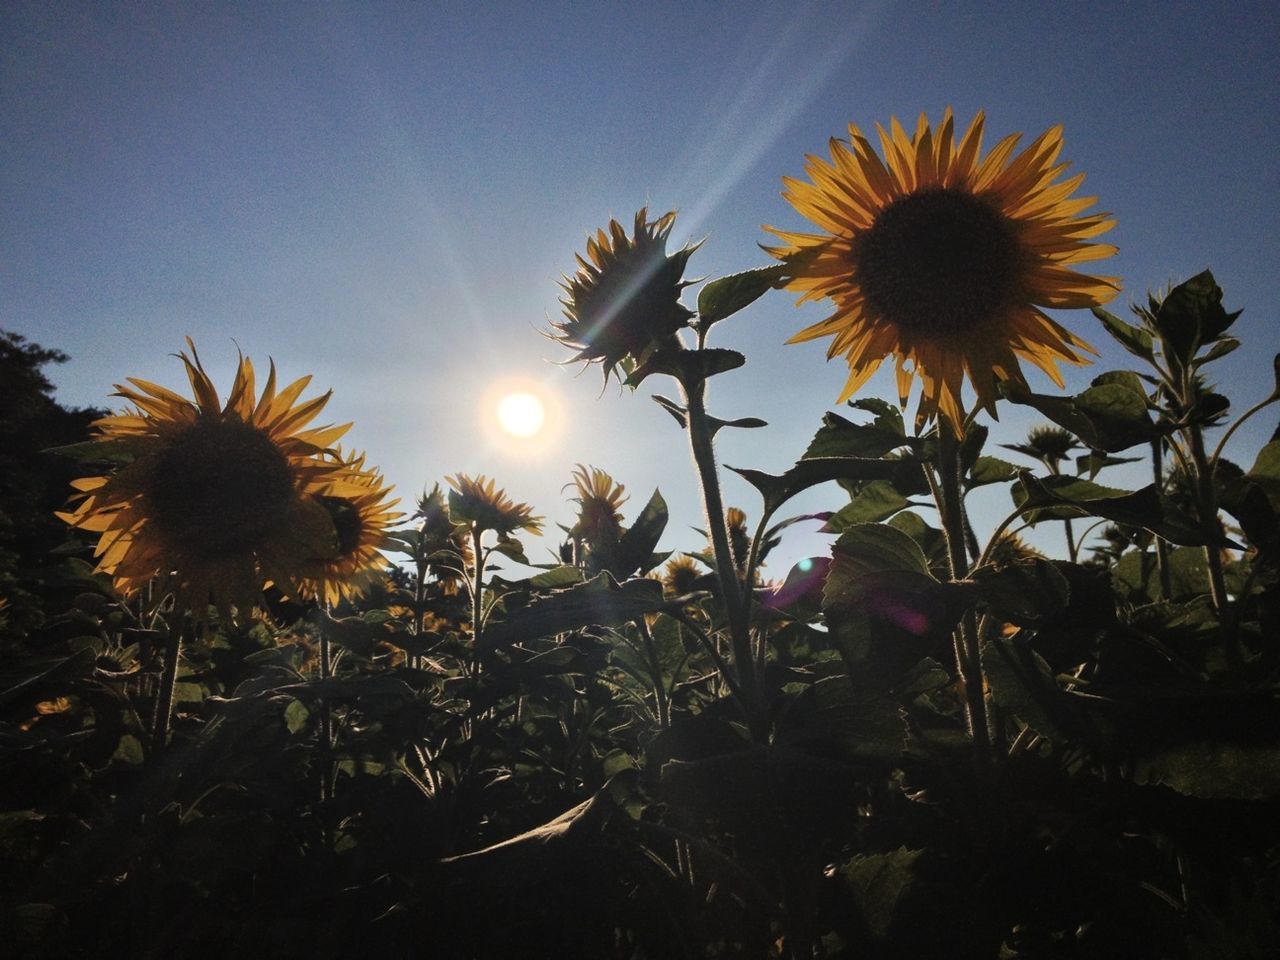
x: 168, y: 681
x: 968, y: 653
x: 1162, y: 548
x: 326, y: 715
x: 704, y: 459
x: 1208, y: 504
x: 477, y: 601
x: 662, y: 706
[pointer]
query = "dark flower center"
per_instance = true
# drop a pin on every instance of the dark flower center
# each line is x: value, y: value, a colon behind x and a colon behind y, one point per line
x: 220, y: 489
x: 346, y: 522
x: 940, y: 261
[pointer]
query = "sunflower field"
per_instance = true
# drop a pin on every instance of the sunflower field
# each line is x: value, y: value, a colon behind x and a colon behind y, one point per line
x: 253, y: 705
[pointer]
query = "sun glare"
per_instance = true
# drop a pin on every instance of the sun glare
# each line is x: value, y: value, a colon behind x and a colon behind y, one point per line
x: 521, y: 414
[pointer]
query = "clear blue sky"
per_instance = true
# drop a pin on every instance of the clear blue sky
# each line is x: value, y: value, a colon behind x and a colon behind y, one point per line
x: 384, y: 194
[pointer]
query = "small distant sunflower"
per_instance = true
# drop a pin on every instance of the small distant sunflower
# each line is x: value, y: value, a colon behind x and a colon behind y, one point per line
x: 681, y: 575
x: 1048, y: 444
x: 478, y: 503
x: 625, y: 296
x: 356, y: 504
x: 215, y: 499
x: 599, y: 500
x: 739, y: 540
x: 943, y: 259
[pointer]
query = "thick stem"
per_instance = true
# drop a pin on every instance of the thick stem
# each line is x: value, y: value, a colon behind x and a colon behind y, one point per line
x: 700, y: 444
x: 168, y: 680
x: 968, y: 656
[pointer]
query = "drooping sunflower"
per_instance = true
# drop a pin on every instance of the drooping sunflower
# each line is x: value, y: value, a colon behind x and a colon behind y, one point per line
x: 625, y: 296
x: 357, y: 505
x: 944, y: 258
x: 214, y: 499
x: 479, y: 504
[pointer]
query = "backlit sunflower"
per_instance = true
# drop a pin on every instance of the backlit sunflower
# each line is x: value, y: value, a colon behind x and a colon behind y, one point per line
x: 599, y: 500
x: 214, y: 499
x: 625, y: 297
x: 361, y: 518
x: 479, y: 504
x: 681, y: 575
x: 943, y: 258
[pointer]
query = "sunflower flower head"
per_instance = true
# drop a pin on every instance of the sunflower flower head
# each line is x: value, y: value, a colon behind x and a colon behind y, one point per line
x: 944, y: 258
x: 1049, y: 444
x: 356, y: 503
x: 680, y: 576
x: 625, y: 296
x: 478, y: 503
x: 739, y: 540
x: 599, y: 499
x: 214, y: 499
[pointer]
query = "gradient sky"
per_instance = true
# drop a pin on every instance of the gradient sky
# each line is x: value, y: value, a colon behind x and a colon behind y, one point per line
x: 385, y: 194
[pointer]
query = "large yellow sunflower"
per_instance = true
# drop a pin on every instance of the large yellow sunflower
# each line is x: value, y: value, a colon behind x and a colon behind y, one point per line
x: 214, y: 499
x: 356, y: 504
x: 943, y: 258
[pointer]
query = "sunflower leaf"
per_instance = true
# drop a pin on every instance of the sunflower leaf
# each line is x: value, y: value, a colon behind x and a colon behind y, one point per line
x: 877, y: 500
x: 1055, y: 498
x: 777, y: 490
x: 838, y: 437
x: 1134, y: 339
x: 988, y: 470
x: 725, y: 296
x: 742, y: 422
x: 1110, y: 416
x: 600, y: 600
x: 688, y: 366
x: 1192, y: 315
x: 680, y: 413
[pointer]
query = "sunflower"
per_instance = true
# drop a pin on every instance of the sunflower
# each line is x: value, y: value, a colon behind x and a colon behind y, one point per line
x: 481, y: 506
x: 361, y: 518
x: 625, y: 296
x: 214, y: 499
x: 681, y: 575
x: 944, y: 258
x: 599, y: 499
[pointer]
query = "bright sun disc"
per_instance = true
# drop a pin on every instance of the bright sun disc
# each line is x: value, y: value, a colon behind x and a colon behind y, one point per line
x: 521, y: 414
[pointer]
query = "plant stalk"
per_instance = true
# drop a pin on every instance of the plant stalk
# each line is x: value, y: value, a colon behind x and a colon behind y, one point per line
x: 968, y: 655
x: 701, y: 446
x: 168, y: 681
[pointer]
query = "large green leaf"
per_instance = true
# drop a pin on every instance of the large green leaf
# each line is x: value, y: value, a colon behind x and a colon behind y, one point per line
x: 1134, y: 339
x: 874, y: 501
x: 600, y: 600
x: 1112, y: 415
x: 839, y: 437
x: 725, y: 296
x: 1191, y: 315
x: 1055, y: 498
x: 777, y: 490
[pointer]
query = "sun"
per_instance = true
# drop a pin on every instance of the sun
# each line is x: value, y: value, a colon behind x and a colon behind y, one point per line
x: 521, y: 414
